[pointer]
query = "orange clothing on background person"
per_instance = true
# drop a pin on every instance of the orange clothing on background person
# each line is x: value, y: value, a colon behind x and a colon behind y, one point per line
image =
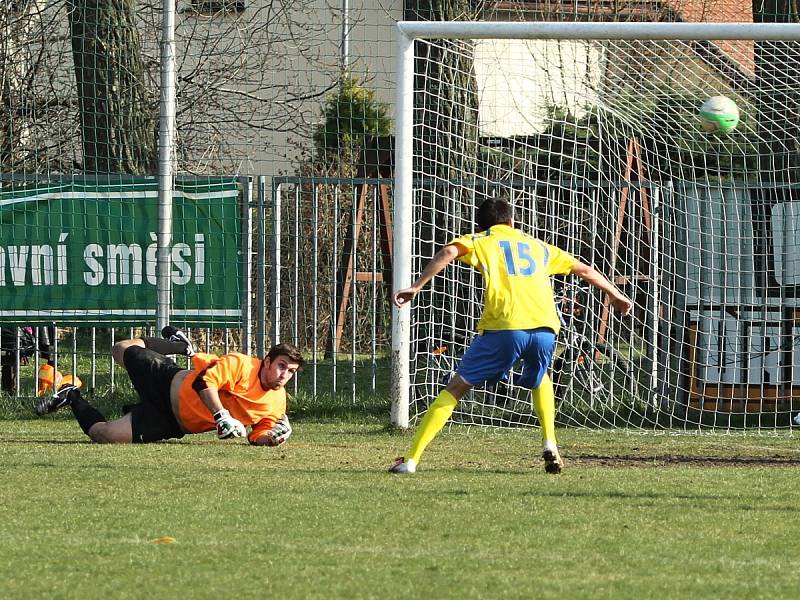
x: 236, y: 378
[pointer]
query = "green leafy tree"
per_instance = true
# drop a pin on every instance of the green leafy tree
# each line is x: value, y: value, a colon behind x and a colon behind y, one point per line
x: 352, y: 116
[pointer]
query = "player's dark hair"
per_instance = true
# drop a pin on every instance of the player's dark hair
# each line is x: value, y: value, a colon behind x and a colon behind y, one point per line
x: 287, y: 350
x: 494, y: 211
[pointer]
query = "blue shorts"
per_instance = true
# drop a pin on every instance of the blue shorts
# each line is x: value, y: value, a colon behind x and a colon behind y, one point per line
x: 492, y: 354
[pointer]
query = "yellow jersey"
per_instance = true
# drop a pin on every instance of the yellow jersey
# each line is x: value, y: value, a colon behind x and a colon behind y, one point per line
x: 516, y: 270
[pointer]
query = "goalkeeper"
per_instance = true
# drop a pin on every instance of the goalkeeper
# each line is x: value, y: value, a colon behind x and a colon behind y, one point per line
x: 519, y: 320
x: 226, y: 393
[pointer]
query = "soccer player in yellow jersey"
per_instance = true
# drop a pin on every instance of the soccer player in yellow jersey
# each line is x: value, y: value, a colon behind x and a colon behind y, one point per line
x: 519, y: 321
x: 226, y: 393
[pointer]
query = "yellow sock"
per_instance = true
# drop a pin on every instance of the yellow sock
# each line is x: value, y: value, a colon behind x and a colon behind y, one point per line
x: 544, y: 403
x: 432, y: 423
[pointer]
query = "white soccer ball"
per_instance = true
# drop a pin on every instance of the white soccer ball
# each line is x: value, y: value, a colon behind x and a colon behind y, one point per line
x: 719, y: 114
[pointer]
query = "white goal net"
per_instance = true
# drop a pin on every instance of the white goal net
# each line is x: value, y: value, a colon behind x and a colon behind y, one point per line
x: 592, y: 132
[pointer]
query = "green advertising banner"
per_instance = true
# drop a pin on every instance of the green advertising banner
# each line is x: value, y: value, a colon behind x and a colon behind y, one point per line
x: 84, y: 252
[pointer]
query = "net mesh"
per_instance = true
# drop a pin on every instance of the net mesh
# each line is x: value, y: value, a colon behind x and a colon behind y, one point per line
x: 600, y: 148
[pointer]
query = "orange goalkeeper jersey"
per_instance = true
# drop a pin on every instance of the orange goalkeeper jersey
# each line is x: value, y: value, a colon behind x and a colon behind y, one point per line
x: 235, y: 376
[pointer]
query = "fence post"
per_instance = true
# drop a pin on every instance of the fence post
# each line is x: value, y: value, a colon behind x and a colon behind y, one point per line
x: 247, y: 263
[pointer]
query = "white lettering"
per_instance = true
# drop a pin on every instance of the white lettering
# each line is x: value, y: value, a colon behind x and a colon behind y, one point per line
x: 95, y: 275
x: 125, y: 261
x: 42, y: 265
x: 151, y: 259
x: 199, y: 258
x: 182, y: 272
x: 61, y: 260
x: 18, y: 262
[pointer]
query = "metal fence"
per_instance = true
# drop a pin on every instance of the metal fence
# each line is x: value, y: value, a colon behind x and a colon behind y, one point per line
x: 316, y: 252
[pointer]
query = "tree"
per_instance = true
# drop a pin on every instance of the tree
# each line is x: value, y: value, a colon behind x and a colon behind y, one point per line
x: 118, y: 114
x: 79, y: 83
x: 448, y: 98
x: 16, y: 62
x: 352, y: 117
x: 777, y: 71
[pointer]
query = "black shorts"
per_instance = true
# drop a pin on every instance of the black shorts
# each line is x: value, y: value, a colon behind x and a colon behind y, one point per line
x: 151, y: 374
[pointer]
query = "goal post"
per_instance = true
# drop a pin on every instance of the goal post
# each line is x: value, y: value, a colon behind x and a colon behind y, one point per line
x: 591, y: 131
x: 403, y: 230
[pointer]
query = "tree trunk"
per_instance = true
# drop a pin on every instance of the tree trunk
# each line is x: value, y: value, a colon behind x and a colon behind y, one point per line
x: 117, y: 115
x: 445, y: 158
x: 16, y: 65
x: 777, y: 71
x: 448, y: 96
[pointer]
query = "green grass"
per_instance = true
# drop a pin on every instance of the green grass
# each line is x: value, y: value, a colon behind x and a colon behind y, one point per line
x: 632, y: 516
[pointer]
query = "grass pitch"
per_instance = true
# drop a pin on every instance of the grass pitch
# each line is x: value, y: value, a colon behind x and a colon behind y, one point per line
x: 632, y: 516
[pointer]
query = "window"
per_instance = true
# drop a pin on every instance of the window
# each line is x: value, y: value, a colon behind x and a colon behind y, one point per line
x: 218, y: 6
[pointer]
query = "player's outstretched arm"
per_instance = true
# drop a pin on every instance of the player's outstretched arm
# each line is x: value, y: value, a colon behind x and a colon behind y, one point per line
x: 439, y: 261
x: 594, y: 277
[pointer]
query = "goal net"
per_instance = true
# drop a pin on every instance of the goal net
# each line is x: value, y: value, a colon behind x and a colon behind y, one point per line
x: 592, y: 132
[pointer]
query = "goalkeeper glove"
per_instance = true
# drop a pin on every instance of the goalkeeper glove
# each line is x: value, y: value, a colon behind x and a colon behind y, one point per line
x: 227, y: 426
x: 280, y: 432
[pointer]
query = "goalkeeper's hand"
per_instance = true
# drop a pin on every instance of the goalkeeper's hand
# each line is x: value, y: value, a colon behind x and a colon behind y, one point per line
x: 227, y: 426
x: 280, y: 432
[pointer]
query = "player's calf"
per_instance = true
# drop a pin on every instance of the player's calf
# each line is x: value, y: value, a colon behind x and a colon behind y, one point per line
x: 111, y: 432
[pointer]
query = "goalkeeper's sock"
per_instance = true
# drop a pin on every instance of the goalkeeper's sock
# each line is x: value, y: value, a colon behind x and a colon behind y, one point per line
x: 544, y: 403
x: 163, y: 346
x: 432, y: 423
x: 85, y: 414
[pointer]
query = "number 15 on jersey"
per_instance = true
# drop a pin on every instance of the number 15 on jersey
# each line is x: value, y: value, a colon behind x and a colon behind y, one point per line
x: 520, y: 262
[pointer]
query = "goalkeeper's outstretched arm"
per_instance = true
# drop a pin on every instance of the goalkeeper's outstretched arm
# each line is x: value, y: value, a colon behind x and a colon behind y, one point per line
x: 439, y: 261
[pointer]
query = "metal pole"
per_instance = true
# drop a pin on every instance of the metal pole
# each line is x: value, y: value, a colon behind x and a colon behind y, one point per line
x: 275, y: 284
x: 545, y: 30
x: 345, y: 36
x: 403, y: 213
x: 247, y: 263
x: 655, y: 280
x: 166, y: 142
x: 315, y: 294
x: 261, y: 263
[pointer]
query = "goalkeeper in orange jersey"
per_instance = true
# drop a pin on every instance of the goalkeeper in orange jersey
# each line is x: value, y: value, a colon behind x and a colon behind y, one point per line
x: 519, y: 321
x: 226, y: 393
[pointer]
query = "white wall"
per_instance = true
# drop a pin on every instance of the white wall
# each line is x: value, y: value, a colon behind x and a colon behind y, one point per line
x: 519, y: 79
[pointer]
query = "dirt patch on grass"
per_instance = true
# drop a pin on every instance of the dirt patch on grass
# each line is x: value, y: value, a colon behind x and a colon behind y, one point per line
x: 671, y: 459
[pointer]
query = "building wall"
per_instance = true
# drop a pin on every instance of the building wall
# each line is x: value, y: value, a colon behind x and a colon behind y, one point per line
x: 268, y: 74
